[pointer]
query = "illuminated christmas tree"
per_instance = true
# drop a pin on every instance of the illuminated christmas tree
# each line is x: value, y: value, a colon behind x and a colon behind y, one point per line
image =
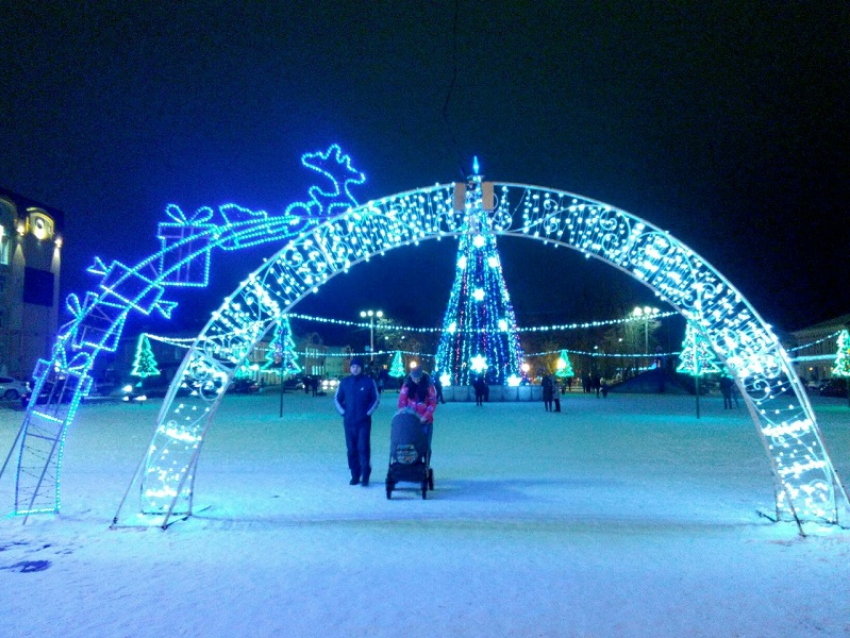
x: 144, y: 365
x: 397, y: 367
x: 281, y: 356
x: 479, y: 327
x: 841, y: 367
x: 697, y: 357
x: 565, y: 368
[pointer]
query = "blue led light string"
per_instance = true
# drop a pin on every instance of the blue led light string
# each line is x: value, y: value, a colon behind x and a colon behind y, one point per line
x: 99, y: 318
x: 552, y: 328
x: 187, y: 344
x: 814, y: 343
x: 479, y: 335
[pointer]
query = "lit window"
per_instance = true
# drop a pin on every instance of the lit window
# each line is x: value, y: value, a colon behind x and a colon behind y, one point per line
x: 7, y: 231
x: 5, y: 246
x: 40, y: 225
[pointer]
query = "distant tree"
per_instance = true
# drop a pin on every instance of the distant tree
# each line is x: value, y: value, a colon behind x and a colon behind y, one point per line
x: 281, y: 356
x: 144, y: 364
x: 841, y: 366
x: 397, y: 367
x: 697, y: 357
x: 565, y: 368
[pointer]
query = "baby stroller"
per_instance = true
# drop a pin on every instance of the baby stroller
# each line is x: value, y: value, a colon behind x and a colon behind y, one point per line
x: 410, y: 453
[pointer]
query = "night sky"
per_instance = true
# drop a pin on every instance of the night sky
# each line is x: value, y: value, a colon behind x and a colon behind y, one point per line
x: 725, y: 123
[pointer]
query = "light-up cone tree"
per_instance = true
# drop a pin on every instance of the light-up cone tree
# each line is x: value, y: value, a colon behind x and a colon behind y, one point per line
x: 144, y: 364
x: 479, y: 328
x: 565, y: 368
x: 841, y: 366
x: 697, y: 358
x: 397, y: 367
x: 281, y: 356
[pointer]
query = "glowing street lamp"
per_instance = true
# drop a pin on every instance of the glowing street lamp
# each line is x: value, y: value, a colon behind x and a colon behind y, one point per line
x: 647, y: 314
x: 371, y: 314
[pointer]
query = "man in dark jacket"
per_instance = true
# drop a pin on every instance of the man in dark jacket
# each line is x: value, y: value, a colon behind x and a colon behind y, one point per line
x: 356, y: 399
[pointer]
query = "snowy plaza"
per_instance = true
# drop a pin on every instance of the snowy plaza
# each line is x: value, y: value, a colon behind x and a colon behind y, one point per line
x: 618, y: 517
x: 494, y: 202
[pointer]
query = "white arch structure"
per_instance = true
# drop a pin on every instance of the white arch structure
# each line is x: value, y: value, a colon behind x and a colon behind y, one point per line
x: 806, y: 485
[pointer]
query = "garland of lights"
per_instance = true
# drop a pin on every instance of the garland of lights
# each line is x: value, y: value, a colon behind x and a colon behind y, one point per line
x: 814, y: 343
x: 807, y: 487
x: 553, y: 328
x: 187, y: 344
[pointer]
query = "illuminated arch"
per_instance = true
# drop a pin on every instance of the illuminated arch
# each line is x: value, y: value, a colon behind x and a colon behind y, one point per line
x: 806, y: 485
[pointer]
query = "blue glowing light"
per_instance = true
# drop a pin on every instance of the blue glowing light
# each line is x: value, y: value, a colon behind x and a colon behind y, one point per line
x: 186, y: 243
x: 329, y: 233
x: 807, y: 487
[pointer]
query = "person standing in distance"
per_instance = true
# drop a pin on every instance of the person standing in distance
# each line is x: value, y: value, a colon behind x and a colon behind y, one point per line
x: 356, y: 399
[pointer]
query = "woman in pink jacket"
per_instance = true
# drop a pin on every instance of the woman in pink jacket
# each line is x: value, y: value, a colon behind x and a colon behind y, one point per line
x: 419, y: 395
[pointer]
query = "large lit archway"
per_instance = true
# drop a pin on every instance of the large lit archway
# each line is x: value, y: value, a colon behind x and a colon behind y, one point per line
x: 806, y: 485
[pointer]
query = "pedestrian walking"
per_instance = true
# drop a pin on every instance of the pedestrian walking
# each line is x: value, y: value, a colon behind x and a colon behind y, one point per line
x: 356, y: 399
x: 418, y: 394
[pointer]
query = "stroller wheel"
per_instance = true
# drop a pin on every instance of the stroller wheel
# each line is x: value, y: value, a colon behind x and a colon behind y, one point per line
x: 430, y: 479
x: 390, y: 486
x: 424, y: 490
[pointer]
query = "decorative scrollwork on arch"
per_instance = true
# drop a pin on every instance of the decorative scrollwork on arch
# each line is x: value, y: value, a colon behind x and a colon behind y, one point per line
x: 806, y: 485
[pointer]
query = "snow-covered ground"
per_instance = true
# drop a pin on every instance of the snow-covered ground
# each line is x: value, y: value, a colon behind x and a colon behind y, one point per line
x: 618, y: 517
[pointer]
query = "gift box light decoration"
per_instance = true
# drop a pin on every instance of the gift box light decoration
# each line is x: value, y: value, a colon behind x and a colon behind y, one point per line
x: 98, y: 318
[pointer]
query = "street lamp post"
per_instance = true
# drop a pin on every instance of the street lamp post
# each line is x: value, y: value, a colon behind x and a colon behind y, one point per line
x: 647, y: 313
x: 279, y: 359
x: 371, y: 314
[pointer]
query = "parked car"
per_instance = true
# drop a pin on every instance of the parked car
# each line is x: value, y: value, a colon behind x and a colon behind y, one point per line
x: 11, y: 389
x: 103, y: 387
x: 814, y: 386
x: 294, y: 383
x: 243, y: 386
x: 834, y: 388
x: 330, y: 384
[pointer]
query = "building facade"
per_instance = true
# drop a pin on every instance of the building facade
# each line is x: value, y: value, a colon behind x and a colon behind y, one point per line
x: 816, y: 347
x: 312, y: 356
x: 30, y: 266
